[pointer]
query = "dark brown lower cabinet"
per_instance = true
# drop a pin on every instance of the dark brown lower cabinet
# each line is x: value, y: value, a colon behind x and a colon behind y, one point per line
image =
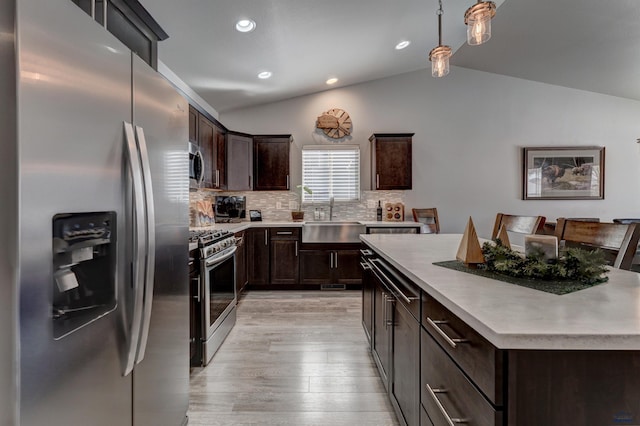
x: 382, y: 319
x: 368, y: 294
x: 241, y: 262
x: 440, y: 371
x: 405, y: 383
x: 447, y: 394
x: 330, y: 266
x: 285, y: 249
x: 257, y: 244
x: 195, y: 327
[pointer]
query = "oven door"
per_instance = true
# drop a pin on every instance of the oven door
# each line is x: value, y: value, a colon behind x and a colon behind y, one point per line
x: 219, y: 292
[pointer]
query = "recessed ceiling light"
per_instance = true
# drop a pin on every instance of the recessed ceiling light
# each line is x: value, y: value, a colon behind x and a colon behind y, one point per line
x: 332, y: 80
x: 402, y: 44
x: 245, y: 25
x: 264, y: 74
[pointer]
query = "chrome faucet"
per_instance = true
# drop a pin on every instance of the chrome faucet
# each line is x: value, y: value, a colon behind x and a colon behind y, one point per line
x: 331, y: 200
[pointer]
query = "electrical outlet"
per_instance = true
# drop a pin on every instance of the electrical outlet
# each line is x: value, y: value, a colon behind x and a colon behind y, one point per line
x: 371, y: 204
x: 278, y: 205
x: 293, y: 205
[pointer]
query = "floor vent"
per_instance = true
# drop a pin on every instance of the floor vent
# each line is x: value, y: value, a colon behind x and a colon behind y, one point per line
x: 333, y: 287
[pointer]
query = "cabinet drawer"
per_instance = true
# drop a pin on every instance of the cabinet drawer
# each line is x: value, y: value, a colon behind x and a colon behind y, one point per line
x: 475, y: 355
x: 284, y: 233
x: 447, y: 394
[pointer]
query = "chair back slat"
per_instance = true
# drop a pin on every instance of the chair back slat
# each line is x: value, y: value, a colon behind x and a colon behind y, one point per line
x: 621, y: 240
x: 518, y: 224
x: 429, y: 219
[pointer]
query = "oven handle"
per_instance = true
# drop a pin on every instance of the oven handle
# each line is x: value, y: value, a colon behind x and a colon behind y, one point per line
x: 217, y: 260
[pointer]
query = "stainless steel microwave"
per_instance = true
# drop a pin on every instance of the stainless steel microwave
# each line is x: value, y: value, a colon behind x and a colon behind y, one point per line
x: 196, y: 166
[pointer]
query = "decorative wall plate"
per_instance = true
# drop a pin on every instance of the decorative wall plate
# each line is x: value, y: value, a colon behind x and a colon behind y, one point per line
x: 335, y: 123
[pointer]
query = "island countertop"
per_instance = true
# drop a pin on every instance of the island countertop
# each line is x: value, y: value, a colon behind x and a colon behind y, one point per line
x: 603, y: 317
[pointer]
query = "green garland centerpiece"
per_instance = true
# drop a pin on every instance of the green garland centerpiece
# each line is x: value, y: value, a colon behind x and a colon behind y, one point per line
x: 573, y: 264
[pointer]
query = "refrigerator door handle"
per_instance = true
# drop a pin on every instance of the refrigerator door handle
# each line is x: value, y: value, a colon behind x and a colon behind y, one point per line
x: 150, y: 242
x: 138, y: 246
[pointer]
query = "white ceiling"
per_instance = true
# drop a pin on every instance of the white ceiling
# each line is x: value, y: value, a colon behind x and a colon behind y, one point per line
x: 585, y: 44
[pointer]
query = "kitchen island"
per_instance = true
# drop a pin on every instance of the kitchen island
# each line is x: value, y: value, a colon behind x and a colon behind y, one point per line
x: 496, y: 353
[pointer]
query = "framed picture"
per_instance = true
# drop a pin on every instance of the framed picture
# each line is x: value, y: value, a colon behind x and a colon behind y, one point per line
x: 563, y: 173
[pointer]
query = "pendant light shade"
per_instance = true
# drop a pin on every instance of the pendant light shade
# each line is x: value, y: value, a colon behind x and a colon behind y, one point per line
x: 478, y: 20
x: 439, y: 56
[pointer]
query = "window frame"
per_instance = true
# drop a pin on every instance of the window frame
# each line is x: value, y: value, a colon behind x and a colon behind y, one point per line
x: 309, y: 199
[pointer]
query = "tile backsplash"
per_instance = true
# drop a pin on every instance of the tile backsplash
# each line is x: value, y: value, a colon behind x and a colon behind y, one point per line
x: 268, y: 201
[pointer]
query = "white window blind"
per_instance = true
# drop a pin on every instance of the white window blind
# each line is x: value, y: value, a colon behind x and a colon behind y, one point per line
x: 331, y: 171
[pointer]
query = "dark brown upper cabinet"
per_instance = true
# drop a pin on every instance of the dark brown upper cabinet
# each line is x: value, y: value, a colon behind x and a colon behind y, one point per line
x: 239, y: 162
x: 193, y: 125
x: 211, y: 139
x: 391, y: 161
x: 271, y: 162
x: 206, y: 136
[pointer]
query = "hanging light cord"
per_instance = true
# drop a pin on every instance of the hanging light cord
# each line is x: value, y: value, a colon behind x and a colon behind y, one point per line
x: 440, y: 12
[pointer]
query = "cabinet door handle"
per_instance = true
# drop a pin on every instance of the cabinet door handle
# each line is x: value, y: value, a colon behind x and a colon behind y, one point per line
x: 296, y: 249
x: 389, y: 282
x: 336, y: 261
x: 217, y: 178
x: 389, y: 321
x: 365, y: 266
x: 249, y: 181
x: 287, y: 181
x: 330, y: 260
x: 384, y: 309
x: 266, y: 237
x: 377, y: 180
x: 451, y: 421
x: 452, y: 342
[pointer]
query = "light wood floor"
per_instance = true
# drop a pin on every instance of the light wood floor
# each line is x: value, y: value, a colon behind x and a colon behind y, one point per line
x: 293, y: 358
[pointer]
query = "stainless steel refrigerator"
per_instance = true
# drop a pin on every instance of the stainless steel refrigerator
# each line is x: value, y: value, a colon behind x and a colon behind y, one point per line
x: 94, y: 230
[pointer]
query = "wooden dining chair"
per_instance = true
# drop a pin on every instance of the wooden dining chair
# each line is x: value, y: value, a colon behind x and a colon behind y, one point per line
x: 619, y: 241
x: 428, y: 218
x: 518, y: 224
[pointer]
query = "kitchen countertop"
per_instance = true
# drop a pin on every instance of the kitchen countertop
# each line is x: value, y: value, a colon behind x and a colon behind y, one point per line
x: 603, y: 317
x: 240, y: 226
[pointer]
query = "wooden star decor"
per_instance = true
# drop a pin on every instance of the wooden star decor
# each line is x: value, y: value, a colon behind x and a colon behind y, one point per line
x: 335, y: 123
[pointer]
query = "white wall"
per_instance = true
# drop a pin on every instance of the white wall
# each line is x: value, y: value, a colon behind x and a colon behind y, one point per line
x: 469, y: 129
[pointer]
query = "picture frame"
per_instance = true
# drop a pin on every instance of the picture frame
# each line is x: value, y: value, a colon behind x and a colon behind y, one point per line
x: 563, y: 173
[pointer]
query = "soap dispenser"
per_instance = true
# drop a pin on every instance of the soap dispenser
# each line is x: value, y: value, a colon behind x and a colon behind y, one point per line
x: 379, y: 212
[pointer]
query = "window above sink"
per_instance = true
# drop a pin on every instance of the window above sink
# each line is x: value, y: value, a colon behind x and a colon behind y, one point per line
x: 331, y: 171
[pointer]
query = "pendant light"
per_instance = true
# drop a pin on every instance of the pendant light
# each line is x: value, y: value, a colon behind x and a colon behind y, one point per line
x: 439, y: 56
x: 478, y: 21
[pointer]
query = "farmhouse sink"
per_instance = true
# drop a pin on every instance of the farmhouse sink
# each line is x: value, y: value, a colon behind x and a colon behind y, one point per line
x: 332, y: 232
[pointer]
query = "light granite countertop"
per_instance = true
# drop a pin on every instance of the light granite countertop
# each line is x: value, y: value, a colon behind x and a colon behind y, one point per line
x: 603, y: 317
x: 239, y: 226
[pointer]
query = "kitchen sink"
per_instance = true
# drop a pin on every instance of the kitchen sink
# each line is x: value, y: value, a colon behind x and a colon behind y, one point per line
x: 332, y: 232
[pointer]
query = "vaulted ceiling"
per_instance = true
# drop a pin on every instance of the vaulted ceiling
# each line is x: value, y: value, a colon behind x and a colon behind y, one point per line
x: 584, y: 44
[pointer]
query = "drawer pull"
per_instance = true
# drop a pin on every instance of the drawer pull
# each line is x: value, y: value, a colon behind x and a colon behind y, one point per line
x: 284, y: 233
x: 374, y: 263
x: 452, y: 342
x: 366, y: 252
x: 451, y: 421
x: 365, y: 266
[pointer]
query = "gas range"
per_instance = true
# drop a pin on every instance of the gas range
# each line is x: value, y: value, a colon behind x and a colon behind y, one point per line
x: 212, y: 241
